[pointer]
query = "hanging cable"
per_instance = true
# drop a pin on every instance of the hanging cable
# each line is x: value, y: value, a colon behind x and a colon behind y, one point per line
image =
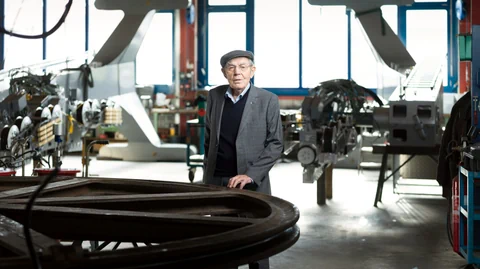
x: 86, y: 77
x: 46, y: 34
x: 45, y: 161
x: 28, y: 219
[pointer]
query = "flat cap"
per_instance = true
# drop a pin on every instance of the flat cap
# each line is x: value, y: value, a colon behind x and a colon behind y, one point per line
x: 235, y: 54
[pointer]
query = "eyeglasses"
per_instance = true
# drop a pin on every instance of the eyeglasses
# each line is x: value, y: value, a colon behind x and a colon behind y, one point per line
x: 242, y: 67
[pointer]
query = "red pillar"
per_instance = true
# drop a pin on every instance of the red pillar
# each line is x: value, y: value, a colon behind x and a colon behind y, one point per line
x: 187, y: 63
x: 465, y: 28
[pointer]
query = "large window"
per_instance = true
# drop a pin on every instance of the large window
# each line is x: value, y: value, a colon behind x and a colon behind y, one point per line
x: 69, y: 39
x: 324, y: 44
x: 226, y: 32
x: 390, y: 15
x: 154, y: 63
x: 364, y: 62
x: 101, y: 25
x: 428, y: 38
x: 24, y: 17
x: 226, y: 2
x: 277, y: 43
x: 298, y: 45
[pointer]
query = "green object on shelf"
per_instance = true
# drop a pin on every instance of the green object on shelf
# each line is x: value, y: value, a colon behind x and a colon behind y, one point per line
x: 465, y: 47
x: 109, y: 128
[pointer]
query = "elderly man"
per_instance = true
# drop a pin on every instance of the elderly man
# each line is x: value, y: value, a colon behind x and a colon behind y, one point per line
x: 243, y: 137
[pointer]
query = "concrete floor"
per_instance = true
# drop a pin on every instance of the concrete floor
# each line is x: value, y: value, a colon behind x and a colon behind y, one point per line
x: 405, y: 231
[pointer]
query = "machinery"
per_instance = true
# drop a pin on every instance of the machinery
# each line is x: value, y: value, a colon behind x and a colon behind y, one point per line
x: 331, y: 112
x: 46, y: 115
x: 38, y: 119
x: 414, y: 115
x: 112, y: 69
x: 470, y: 144
x: 335, y: 111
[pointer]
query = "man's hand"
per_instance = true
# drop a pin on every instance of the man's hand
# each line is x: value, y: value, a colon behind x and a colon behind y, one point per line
x: 239, y: 179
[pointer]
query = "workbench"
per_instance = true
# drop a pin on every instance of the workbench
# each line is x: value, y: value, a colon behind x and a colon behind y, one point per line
x: 386, y: 150
x: 156, y: 111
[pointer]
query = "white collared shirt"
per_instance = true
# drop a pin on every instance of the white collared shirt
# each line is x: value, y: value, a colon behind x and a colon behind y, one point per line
x: 229, y: 94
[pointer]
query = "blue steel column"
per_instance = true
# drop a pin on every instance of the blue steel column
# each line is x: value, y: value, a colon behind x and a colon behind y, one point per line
x: 453, y: 57
x: 250, y: 25
x: 475, y: 90
x: 87, y: 22
x: 44, y: 29
x: 2, y: 36
x: 402, y: 24
x: 300, y: 46
x: 349, y: 43
x: 470, y: 215
x: 202, y: 43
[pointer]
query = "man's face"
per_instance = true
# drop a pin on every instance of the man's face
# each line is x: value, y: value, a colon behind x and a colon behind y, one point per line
x: 238, y: 72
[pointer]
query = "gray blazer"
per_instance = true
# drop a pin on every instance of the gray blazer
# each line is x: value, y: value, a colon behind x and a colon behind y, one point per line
x: 260, y: 137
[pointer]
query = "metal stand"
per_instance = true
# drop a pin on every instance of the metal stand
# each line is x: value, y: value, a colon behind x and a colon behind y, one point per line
x: 87, y: 159
x: 385, y: 150
x: 324, y: 185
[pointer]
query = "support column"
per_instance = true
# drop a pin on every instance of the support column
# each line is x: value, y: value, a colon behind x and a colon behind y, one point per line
x: 329, y: 181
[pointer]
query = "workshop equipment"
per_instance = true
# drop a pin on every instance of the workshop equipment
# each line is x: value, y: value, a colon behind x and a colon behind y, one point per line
x: 414, y: 115
x: 330, y: 114
x: 469, y: 172
x: 138, y: 223
x: 196, y: 160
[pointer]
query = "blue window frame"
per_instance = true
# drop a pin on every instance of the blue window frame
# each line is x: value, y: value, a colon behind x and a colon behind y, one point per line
x: 248, y: 8
x: 433, y: 8
x: 301, y: 88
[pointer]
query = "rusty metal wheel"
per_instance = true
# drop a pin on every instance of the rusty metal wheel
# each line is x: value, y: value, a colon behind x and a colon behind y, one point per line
x: 124, y: 223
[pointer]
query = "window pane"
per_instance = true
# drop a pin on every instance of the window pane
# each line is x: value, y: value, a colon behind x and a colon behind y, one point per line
x: 426, y: 38
x: 69, y: 39
x: 364, y: 63
x: 276, y: 43
x: 226, y: 2
x: 23, y: 17
x: 101, y: 25
x: 420, y: 1
x: 390, y: 15
x: 324, y: 45
x: 226, y: 32
x: 155, y: 57
x: 365, y: 66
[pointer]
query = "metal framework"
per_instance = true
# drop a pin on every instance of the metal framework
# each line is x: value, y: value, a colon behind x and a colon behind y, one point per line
x: 127, y: 223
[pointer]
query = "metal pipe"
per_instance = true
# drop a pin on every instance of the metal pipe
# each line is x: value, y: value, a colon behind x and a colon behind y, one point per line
x: 90, y: 145
x: 23, y: 159
x: 22, y: 143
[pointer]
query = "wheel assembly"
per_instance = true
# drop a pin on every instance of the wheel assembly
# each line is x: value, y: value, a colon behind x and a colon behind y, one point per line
x: 125, y: 223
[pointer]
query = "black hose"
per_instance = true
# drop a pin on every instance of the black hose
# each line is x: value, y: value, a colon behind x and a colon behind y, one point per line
x: 46, y: 34
x: 28, y: 219
x: 87, y: 78
x: 48, y: 163
x: 374, y: 95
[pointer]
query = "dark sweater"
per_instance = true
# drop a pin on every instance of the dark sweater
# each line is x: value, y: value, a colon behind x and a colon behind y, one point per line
x: 227, y: 152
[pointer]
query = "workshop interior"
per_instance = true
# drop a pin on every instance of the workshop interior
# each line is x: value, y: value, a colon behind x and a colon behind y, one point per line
x: 103, y: 108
